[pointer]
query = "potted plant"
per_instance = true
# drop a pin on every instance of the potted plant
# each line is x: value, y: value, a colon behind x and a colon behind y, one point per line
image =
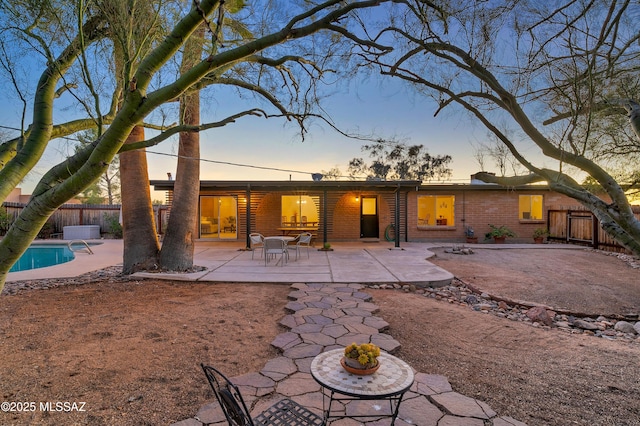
x: 361, y: 359
x: 470, y: 235
x: 326, y: 247
x: 539, y: 234
x: 499, y: 233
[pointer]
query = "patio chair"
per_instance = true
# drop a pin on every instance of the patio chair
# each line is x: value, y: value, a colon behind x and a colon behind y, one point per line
x: 274, y: 247
x: 303, y: 240
x: 284, y: 412
x: 257, y: 242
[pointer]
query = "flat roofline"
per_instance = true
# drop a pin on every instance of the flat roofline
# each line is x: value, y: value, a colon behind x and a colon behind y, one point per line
x: 167, y: 185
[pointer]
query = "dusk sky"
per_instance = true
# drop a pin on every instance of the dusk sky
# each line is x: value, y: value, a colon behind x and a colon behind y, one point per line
x: 378, y: 106
x: 369, y: 105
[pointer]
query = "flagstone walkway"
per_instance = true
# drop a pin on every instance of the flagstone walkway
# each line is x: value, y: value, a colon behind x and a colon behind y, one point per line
x: 328, y: 316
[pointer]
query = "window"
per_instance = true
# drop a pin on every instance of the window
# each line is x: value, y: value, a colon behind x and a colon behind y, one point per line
x: 530, y: 207
x: 436, y: 210
x: 218, y: 217
x: 300, y: 211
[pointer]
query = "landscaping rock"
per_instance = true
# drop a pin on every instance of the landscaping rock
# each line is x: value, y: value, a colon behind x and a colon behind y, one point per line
x: 625, y: 327
x: 471, y: 299
x: 539, y: 314
x: 459, y: 293
x: 585, y: 325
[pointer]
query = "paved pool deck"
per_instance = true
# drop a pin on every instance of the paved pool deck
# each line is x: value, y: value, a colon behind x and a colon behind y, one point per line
x: 356, y: 262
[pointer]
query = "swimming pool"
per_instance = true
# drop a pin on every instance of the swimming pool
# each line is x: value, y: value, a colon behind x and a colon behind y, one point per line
x: 43, y: 255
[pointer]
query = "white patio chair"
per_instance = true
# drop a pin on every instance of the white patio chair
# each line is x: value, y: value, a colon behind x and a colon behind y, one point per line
x: 257, y: 242
x: 303, y: 240
x: 274, y: 247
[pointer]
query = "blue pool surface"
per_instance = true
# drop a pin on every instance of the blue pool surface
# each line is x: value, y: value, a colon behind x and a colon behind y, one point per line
x: 41, y: 256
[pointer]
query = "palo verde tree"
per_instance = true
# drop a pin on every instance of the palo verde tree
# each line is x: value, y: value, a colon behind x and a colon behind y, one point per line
x: 75, y: 41
x: 546, y: 78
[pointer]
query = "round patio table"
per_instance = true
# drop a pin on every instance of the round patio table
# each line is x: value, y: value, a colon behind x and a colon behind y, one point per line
x: 285, y: 238
x: 389, y: 383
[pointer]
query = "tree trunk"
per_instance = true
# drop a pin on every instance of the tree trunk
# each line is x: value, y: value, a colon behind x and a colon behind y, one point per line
x: 179, y: 241
x: 138, y: 228
x: 178, y: 244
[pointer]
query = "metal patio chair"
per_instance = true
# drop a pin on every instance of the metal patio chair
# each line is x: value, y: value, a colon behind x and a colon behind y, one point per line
x: 257, y: 242
x: 303, y: 240
x: 284, y: 412
x: 274, y: 247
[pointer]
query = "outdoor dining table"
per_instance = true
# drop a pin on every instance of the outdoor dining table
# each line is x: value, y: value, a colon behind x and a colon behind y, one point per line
x: 286, y: 230
x: 285, y: 238
x: 392, y: 380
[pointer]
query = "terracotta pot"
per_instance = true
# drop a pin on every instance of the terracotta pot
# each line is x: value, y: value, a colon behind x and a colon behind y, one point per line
x: 472, y: 240
x: 354, y: 367
x: 499, y: 240
x: 538, y: 240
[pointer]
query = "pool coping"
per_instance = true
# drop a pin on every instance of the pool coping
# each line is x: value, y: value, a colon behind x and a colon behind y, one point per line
x: 106, y: 253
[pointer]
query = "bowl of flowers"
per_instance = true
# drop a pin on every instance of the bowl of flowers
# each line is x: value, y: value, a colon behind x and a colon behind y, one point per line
x: 361, y: 359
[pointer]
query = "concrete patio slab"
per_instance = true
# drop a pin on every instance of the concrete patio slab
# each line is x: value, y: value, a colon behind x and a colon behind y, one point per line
x: 349, y: 262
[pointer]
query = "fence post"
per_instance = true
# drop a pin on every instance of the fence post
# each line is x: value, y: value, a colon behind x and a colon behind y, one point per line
x: 596, y: 231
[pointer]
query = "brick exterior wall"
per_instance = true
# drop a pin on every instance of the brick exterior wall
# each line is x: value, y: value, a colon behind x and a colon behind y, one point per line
x: 346, y: 218
x: 268, y: 218
x: 478, y: 208
x: 474, y: 206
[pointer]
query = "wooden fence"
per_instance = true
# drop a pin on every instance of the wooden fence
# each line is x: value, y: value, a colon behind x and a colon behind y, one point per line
x: 105, y: 215
x: 580, y: 226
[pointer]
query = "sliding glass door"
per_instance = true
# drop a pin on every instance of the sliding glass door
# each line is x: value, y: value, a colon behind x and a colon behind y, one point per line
x: 218, y: 217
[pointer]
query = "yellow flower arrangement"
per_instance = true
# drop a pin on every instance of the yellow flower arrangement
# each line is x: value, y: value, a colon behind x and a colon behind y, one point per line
x: 366, y: 353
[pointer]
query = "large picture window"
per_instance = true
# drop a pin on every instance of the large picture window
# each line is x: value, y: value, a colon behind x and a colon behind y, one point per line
x: 300, y: 211
x: 436, y: 210
x: 530, y: 207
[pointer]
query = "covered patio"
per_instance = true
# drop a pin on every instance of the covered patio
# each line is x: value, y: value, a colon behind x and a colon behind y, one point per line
x: 331, y: 210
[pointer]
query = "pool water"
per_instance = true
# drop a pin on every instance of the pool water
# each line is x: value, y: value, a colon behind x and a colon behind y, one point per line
x: 41, y: 256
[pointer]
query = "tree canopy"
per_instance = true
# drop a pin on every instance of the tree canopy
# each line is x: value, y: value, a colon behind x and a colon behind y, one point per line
x: 398, y: 161
x: 115, y: 64
x: 550, y: 80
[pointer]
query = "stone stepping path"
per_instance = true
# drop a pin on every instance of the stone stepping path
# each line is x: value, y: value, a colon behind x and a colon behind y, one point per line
x: 322, y: 317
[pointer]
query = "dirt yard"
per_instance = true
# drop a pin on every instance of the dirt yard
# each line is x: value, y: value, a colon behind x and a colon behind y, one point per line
x: 130, y: 350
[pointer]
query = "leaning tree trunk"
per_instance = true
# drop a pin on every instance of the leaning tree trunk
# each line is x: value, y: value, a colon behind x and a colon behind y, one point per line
x: 179, y: 241
x: 138, y: 228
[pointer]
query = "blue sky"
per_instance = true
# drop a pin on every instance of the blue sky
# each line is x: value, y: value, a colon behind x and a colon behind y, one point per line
x: 383, y: 107
x: 388, y: 110
x: 368, y: 105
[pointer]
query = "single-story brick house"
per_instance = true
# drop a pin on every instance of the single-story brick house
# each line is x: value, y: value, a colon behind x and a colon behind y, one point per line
x: 363, y: 210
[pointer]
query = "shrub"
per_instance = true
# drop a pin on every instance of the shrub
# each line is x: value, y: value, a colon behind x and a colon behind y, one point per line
x: 5, y: 221
x: 113, y: 225
x: 499, y: 231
